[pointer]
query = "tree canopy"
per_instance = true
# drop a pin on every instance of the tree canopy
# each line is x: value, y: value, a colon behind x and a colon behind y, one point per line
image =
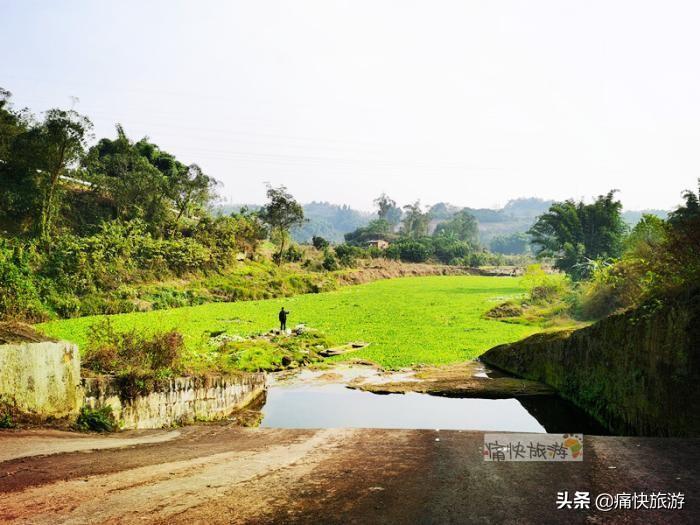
x: 462, y: 226
x: 415, y: 222
x: 281, y: 213
x: 576, y: 233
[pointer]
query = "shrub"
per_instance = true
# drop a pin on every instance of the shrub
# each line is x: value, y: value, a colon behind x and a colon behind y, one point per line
x: 109, y: 352
x: 319, y: 242
x: 347, y: 254
x: 448, y: 250
x: 330, y: 263
x: 541, y: 286
x: 293, y: 254
x: 96, y: 419
x: 409, y: 250
x: 6, y: 420
x: 19, y: 298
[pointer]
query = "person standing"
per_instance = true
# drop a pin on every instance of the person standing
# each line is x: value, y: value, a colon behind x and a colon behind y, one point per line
x: 283, y: 319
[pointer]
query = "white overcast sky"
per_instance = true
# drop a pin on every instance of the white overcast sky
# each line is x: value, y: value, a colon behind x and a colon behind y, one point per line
x: 470, y: 102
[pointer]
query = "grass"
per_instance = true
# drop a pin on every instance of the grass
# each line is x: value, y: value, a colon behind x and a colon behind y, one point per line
x: 408, y: 321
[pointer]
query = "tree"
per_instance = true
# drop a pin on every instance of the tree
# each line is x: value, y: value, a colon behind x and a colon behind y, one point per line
x: 680, y: 255
x: 415, y: 222
x: 387, y: 209
x: 513, y: 244
x: 190, y: 190
x: 127, y: 174
x: 462, y: 226
x: 281, y: 213
x: 144, y: 182
x: 63, y: 135
x: 12, y: 123
x: 378, y: 229
x: 319, y: 242
x: 576, y: 234
x: 37, y: 158
x: 17, y: 198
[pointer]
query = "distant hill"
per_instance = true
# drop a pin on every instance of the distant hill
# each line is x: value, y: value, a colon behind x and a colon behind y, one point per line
x: 330, y: 221
x: 333, y: 221
x: 632, y: 217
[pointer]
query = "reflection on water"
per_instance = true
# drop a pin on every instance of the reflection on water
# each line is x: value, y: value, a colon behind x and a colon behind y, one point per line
x: 335, y: 406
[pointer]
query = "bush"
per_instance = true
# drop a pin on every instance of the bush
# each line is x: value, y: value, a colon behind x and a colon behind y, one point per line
x: 541, y: 286
x: 347, y: 254
x: 448, y: 250
x: 6, y: 420
x: 19, y: 298
x: 109, y: 352
x: 410, y: 250
x: 330, y: 263
x: 319, y: 242
x: 293, y: 254
x: 96, y: 420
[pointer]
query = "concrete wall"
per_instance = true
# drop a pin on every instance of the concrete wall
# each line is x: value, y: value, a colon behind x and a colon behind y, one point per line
x: 176, y: 401
x: 41, y: 380
x: 636, y: 372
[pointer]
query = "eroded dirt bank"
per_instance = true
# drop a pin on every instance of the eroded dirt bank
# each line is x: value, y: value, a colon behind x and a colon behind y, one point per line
x: 220, y: 474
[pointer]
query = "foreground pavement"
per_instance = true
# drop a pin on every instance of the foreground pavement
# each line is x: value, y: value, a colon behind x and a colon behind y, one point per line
x: 218, y: 474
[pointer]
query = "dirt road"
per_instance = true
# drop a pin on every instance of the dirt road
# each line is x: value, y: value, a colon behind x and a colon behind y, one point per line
x: 219, y: 474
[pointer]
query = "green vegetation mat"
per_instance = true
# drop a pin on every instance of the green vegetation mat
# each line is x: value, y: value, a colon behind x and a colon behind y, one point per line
x: 408, y: 321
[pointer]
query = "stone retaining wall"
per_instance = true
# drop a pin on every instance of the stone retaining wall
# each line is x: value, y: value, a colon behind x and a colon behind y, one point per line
x: 175, y: 401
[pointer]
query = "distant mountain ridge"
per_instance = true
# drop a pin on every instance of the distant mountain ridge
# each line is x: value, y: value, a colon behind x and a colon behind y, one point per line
x: 333, y: 221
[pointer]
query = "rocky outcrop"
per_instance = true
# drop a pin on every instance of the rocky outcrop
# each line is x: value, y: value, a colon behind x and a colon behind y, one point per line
x: 637, y: 372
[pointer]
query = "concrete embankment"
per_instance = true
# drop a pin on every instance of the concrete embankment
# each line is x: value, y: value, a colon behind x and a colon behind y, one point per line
x: 41, y: 382
x: 636, y: 372
x: 178, y: 400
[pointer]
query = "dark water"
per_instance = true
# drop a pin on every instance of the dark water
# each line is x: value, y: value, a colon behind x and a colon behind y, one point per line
x: 335, y: 406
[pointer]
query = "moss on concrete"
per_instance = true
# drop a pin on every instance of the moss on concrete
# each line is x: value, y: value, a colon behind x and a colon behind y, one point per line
x: 636, y: 372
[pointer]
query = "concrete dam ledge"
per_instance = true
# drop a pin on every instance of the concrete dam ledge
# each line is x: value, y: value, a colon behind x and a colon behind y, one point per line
x: 636, y: 372
x: 41, y: 382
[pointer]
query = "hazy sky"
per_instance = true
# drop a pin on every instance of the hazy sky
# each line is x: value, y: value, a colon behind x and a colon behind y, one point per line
x: 471, y: 102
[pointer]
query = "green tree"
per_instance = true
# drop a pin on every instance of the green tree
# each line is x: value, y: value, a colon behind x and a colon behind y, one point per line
x: 12, y: 123
x: 281, y: 213
x: 126, y: 173
x: 681, y: 256
x: 376, y: 229
x: 387, y: 209
x: 576, y: 234
x: 415, y: 221
x: 462, y: 226
x: 190, y: 190
x: 144, y: 182
x: 319, y: 242
x: 513, y: 244
x: 37, y: 161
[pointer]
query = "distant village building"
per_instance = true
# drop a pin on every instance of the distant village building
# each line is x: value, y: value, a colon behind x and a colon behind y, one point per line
x: 378, y: 243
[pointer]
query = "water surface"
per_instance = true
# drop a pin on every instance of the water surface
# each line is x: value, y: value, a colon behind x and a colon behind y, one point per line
x: 335, y: 406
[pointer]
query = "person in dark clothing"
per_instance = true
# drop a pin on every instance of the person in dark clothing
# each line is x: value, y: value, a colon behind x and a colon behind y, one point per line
x: 283, y: 319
